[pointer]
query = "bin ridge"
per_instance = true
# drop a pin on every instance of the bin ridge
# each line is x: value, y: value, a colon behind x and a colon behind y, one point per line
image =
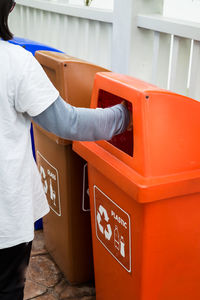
x: 141, y: 189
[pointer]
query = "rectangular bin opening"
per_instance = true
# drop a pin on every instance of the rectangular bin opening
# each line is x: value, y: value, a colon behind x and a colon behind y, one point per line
x: 123, y: 141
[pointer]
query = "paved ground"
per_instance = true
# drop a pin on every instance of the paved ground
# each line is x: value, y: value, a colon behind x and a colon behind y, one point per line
x: 46, y: 282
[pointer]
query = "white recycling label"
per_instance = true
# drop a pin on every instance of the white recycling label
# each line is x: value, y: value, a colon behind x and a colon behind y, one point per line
x: 50, y: 180
x: 113, y: 228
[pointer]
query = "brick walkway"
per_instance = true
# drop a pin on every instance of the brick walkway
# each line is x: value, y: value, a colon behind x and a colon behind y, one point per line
x: 46, y: 282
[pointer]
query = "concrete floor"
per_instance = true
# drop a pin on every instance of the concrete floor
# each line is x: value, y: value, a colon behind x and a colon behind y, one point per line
x: 46, y: 282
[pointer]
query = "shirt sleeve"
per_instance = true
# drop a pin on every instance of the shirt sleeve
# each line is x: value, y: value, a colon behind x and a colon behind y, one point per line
x: 83, y: 124
x: 34, y: 91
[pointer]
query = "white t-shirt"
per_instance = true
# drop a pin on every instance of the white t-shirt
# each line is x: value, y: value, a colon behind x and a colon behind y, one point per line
x: 25, y: 91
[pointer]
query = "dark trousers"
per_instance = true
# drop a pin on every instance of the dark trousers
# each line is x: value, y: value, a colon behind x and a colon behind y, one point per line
x: 13, y: 265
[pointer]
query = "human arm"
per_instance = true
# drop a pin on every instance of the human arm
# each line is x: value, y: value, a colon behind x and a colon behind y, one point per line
x: 35, y: 95
x: 86, y: 124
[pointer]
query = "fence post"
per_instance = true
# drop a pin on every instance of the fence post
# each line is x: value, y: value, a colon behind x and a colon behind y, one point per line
x: 127, y: 41
x: 121, y: 40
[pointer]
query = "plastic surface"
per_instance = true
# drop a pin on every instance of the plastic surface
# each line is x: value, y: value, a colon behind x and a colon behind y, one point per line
x: 165, y: 135
x: 67, y: 228
x: 145, y: 207
x: 32, y: 46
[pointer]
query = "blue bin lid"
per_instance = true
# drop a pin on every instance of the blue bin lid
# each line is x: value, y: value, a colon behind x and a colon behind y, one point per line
x: 32, y: 46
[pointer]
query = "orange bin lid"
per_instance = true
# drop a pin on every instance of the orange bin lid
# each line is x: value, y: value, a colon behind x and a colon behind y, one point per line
x: 166, y: 147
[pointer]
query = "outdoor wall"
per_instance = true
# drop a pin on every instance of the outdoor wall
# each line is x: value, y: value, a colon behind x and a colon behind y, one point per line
x: 190, y: 9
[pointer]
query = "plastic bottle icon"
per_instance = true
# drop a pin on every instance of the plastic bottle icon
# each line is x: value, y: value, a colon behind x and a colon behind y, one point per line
x: 43, y: 175
x: 122, y: 246
x: 116, y: 237
x: 52, y: 194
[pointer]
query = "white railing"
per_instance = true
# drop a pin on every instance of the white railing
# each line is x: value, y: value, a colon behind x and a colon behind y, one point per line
x: 175, y: 53
x: 130, y: 40
x: 82, y: 32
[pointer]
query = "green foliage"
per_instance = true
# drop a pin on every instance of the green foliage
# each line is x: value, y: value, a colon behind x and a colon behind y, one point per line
x: 88, y: 2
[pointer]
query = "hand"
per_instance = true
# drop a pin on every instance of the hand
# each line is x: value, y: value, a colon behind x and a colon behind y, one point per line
x: 130, y: 125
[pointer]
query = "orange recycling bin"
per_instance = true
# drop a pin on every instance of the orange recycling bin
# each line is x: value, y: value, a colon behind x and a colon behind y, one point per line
x: 67, y: 228
x: 145, y: 195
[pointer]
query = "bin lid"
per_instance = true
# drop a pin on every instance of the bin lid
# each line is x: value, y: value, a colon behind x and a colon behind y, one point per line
x: 32, y: 46
x: 165, y: 137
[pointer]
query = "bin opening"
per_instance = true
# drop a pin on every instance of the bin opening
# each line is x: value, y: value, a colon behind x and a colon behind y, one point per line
x: 123, y: 141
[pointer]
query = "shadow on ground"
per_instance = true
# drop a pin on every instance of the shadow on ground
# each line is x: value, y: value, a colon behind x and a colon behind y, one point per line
x: 46, y: 282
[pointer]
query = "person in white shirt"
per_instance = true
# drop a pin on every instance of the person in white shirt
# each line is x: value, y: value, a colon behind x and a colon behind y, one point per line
x: 26, y: 93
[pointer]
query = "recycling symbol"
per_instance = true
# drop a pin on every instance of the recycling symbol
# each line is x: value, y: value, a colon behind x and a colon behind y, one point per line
x: 43, y: 174
x: 102, y: 213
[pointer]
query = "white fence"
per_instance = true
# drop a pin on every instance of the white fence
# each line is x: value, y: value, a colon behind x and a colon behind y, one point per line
x: 82, y: 32
x: 175, y: 53
x: 130, y: 40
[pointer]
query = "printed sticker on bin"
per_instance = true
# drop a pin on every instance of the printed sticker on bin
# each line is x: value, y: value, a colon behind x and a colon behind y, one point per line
x: 113, y: 228
x: 50, y: 180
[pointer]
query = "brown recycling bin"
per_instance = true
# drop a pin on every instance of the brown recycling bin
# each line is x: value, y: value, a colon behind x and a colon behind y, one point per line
x: 67, y: 228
